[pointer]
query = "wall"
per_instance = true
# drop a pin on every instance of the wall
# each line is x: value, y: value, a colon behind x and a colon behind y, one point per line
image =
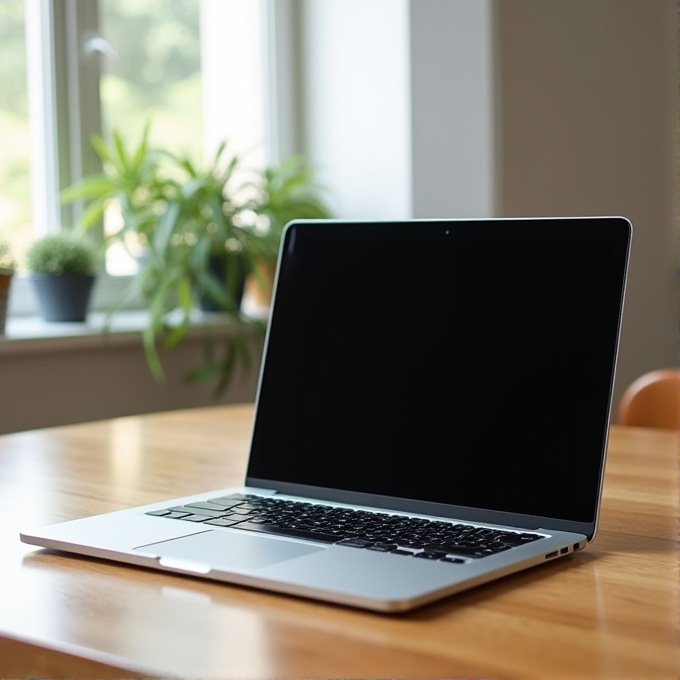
x: 589, y: 117
x: 529, y: 107
x: 355, y: 103
x: 56, y: 381
x: 453, y: 108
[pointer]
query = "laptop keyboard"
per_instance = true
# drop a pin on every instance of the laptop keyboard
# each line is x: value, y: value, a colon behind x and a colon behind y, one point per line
x: 360, y: 529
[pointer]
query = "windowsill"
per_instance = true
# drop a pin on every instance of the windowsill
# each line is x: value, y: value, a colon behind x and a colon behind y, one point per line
x: 31, y: 334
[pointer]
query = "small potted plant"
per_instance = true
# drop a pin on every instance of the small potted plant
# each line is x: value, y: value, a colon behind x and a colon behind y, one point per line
x: 62, y: 269
x: 7, y: 267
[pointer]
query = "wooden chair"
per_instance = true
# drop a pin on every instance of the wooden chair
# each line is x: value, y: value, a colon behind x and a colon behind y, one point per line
x: 653, y: 400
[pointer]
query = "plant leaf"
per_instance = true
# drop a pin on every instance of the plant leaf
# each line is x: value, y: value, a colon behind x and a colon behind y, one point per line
x: 99, y: 145
x: 151, y: 353
x: 166, y: 227
x: 92, y: 214
x: 204, y: 373
x: 120, y: 151
x: 142, y: 149
x: 94, y: 186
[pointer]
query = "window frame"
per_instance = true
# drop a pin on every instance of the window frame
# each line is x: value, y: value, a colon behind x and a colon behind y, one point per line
x: 65, y: 111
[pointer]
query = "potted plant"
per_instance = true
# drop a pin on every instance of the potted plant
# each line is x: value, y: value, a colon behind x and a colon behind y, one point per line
x: 62, y: 270
x: 197, y: 257
x: 194, y: 255
x: 7, y: 268
x: 283, y: 192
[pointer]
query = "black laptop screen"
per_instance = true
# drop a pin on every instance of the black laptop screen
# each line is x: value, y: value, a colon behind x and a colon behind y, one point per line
x: 463, y: 362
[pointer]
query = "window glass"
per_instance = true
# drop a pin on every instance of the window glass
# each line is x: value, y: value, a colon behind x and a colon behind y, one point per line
x: 193, y: 69
x: 15, y: 138
x: 151, y: 72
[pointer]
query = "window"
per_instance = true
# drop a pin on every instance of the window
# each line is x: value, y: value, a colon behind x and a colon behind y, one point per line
x: 15, y: 137
x: 196, y: 69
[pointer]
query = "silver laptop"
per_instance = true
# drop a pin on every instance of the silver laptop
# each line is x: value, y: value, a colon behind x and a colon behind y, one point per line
x: 432, y: 414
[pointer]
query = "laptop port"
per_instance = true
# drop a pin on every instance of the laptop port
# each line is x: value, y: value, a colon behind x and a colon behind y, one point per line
x: 576, y: 546
x: 550, y: 555
x: 564, y: 551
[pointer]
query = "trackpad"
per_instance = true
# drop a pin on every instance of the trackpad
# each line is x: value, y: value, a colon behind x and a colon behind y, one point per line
x: 225, y: 550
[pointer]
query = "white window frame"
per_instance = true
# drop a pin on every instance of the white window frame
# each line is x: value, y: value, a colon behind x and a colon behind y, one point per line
x: 64, y: 109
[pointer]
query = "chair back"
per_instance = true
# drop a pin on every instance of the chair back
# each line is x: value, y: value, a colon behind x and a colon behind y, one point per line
x: 653, y: 400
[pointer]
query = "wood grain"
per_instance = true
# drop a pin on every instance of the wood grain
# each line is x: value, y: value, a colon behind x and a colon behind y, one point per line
x: 609, y: 611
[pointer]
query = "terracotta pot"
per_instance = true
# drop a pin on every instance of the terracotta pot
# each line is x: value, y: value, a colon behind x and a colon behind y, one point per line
x: 260, y: 284
x: 5, y: 281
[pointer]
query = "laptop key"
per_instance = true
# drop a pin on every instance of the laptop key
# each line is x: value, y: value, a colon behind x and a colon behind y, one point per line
x: 354, y: 543
x: 226, y: 500
x: 237, y: 497
x: 429, y: 555
x: 519, y: 539
x: 317, y: 536
x: 207, y: 505
x: 243, y: 509
x: 222, y: 522
x: 498, y: 547
x: 382, y: 547
x: 415, y: 544
x: 467, y: 552
x: 175, y: 515
x: 190, y: 509
x: 195, y: 518
x: 159, y: 513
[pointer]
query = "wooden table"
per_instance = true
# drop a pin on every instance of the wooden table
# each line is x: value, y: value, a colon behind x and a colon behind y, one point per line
x: 609, y: 611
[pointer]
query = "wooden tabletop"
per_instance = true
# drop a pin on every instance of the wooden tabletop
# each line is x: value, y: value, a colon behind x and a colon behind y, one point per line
x: 610, y: 611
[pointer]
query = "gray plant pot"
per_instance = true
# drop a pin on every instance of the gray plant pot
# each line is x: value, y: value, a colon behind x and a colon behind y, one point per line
x: 63, y: 298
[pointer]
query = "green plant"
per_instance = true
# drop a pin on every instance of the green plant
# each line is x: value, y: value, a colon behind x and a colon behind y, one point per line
x: 284, y: 192
x: 135, y: 179
x: 63, y: 253
x: 182, y: 216
x: 7, y: 262
x: 195, y: 227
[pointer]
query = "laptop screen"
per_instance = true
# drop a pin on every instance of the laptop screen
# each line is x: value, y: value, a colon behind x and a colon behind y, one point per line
x: 460, y: 362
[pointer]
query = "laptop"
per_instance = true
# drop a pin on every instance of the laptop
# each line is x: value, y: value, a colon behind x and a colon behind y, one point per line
x: 432, y: 414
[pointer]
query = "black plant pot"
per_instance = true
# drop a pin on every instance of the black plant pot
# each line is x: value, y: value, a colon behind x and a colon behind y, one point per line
x: 219, y: 269
x: 63, y: 298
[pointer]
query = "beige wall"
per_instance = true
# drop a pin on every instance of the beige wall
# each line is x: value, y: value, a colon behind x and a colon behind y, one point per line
x: 587, y: 124
x: 533, y: 107
x: 54, y: 382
